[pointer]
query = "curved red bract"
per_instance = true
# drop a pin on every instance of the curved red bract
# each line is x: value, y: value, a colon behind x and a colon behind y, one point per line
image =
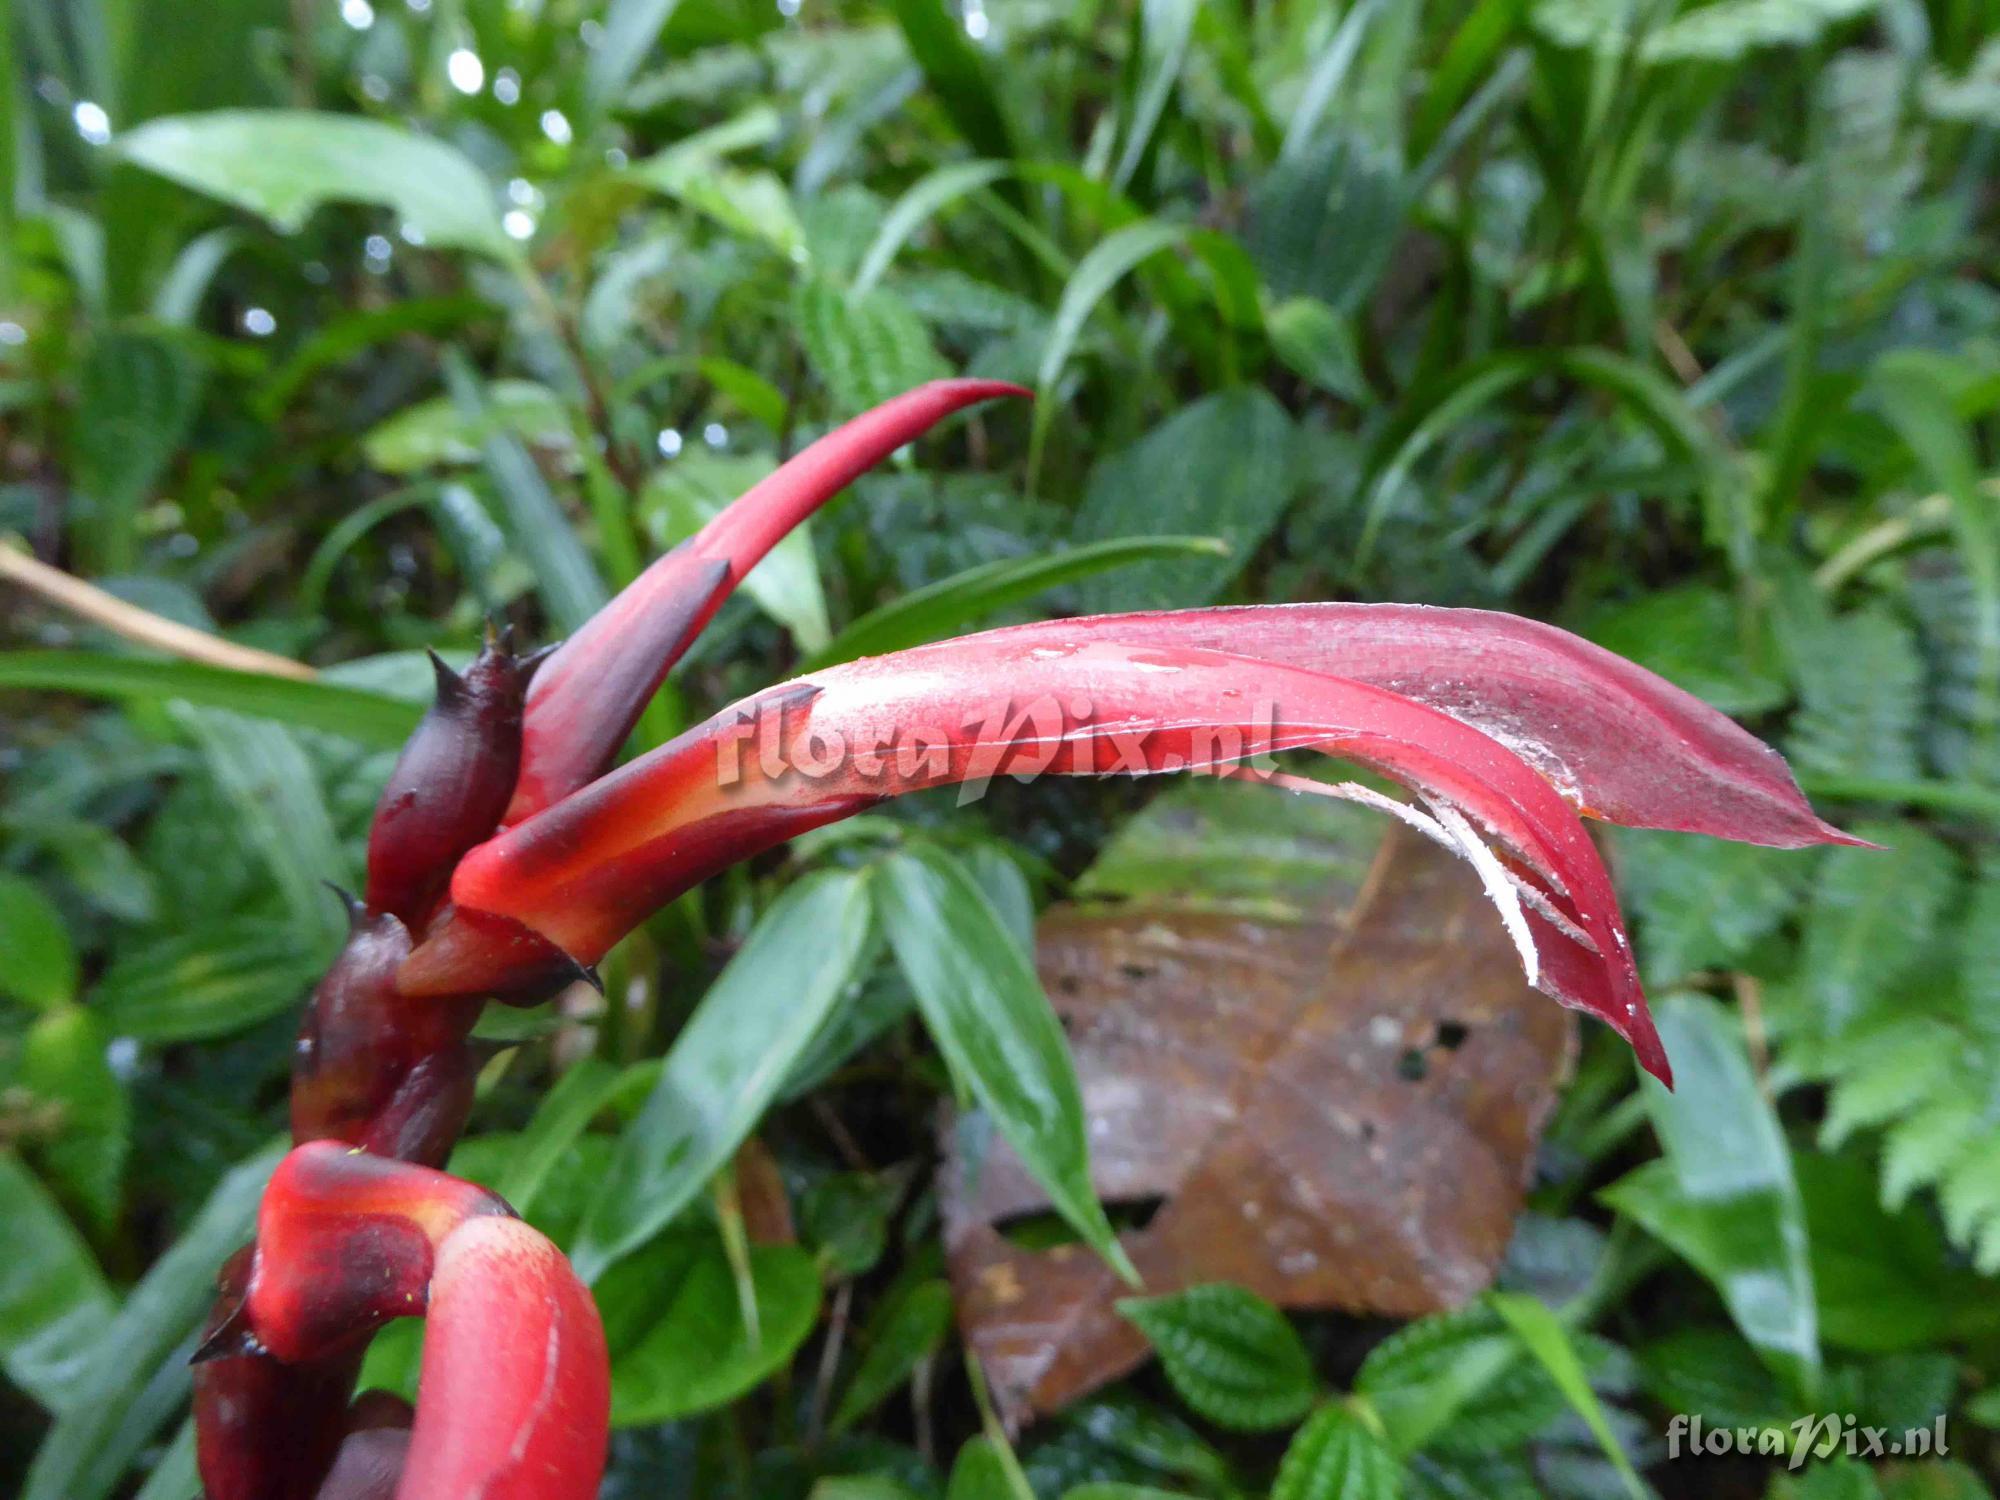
x: 586, y: 699
x: 503, y: 861
x: 514, y: 1400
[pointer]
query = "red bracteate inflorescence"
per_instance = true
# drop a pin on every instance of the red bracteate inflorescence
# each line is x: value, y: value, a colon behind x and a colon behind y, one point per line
x: 507, y: 857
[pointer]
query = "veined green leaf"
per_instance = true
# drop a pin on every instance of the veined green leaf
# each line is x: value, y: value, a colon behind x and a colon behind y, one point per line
x: 1334, y: 1456
x: 1231, y: 1355
x: 908, y: 1330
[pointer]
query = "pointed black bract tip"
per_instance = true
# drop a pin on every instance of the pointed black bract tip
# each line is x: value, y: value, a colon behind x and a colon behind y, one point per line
x: 357, y: 909
x: 449, y: 683
x: 589, y: 975
x: 232, y: 1339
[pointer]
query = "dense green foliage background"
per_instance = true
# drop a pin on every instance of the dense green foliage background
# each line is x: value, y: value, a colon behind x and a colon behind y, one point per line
x: 1672, y: 323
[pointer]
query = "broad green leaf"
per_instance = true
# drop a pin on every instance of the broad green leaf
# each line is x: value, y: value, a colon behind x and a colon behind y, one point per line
x: 986, y: 1011
x: 908, y: 1331
x: 698, y: 1354
x: 283, y: 164
x: 866, y: 346
x: 206, y: 981
x: 1882, y: 1279
x: 966, y: 598
x: 437, y: 432
x: 845, y: 1218
x: 1222, y: 465
x: 54, y: 1305
x: 684, y: 496
x: 1334, y: 1456
x: 175, y: 1476
x: 1325, y: 218
x: 1723, y: 1196
x: 40, y: 962
x: 64, y: 1069
x: 372, y: 718
x: 136, y: 1375
x: 1548, y: 1340
x: 730, y: 1060
x: 1231, y: 1355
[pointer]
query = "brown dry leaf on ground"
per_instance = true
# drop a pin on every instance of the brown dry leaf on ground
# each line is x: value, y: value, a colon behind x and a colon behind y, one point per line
x: 1338, y: 1112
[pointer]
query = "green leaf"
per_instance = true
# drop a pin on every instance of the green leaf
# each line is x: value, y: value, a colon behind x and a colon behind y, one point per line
x: 1108, y: 261
x: 905, y: 1332
x: 265, y: 776
x: 1165, y: 28
x: 41, y: 962
x: 1334, y: 1456
x: 752, y: 204
x: 730, y: 1060
x: 1318, y: 345
x: 917, y: 206
x: 698, y: 1354
x: 1874, y: 917
x: 1882, y: 1279
x: 1221, y: 465
x: 371, y: 718
x: 207, y: 981
x: 1231, y: 1355
x: 987, y: 1013
x: 283, y: 164
x: 1456, y: 1382
x: 584, y: 1091
x: 1724, y: 1197
x: 63, y: 1066
x: 984, y: 1470
x: 564, y: 574
x: 438, y: 432
x: 1549, y: 1341
x: 1692, y: 637
x: 1325, y: 218
x: 957, y: 74
x: 136, y: 1376
x: 137, y: 398
x: 1703, y: 903
x: 866, y: 346
x: 54, y: 1305
x: 966, y: 598
x: 631, y: 27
